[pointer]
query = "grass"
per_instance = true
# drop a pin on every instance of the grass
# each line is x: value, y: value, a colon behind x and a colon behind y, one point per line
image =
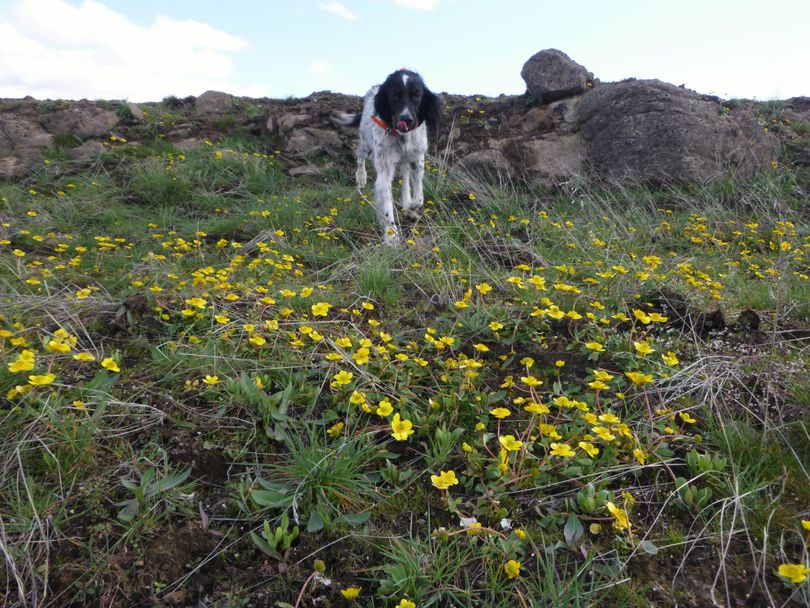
x: 215, y: 375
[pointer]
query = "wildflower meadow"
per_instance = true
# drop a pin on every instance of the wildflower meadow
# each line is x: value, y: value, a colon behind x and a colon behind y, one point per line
x: 220, y: 389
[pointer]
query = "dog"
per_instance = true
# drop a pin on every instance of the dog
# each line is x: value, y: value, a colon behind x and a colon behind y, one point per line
x: 393, y: 133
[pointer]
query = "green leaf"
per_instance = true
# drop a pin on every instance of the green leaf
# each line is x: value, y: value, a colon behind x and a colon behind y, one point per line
x: 648, y: 546
x: 270, y: 498
x: 573, y: 530
x: 167, y: 483
x: 356, y: 519
x: 315, y: 523
x: 265, y: 548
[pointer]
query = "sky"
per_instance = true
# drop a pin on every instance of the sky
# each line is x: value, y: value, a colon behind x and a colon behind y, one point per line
x: 146, y: 50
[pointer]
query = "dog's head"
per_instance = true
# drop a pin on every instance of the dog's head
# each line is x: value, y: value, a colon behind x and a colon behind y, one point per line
x: 404, y: 102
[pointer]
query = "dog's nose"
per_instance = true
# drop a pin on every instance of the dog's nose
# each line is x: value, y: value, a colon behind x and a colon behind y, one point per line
x: 405, y: 121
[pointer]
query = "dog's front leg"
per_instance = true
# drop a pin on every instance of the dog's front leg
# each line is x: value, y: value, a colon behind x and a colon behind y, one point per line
x: 405, y: 172
x: 384, y: 199
x: 416, y: 198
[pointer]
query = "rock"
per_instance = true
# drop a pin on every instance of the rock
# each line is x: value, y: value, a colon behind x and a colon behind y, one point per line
x: 88, y: 150
x: 310, y: 170
x: 491, y: 165
x: 82, y: 119
x: 554, y: 159
x: 135, y: 111
x: 214, y: 102
x: 21, y: 145
x: 551, y: 75
x: 287, y: 123
x: 309, y: 141
x: 653, y: 132
x: 189, y: 143
x: 536, y: 119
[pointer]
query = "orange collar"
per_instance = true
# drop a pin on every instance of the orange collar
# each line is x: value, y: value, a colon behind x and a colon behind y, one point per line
x: 384, y: 125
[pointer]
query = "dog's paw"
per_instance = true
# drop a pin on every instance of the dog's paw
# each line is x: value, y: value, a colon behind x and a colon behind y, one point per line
x: 411, y: 215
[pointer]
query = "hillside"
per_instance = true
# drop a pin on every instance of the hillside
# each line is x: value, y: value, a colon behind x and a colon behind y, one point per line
x: 580, y: 380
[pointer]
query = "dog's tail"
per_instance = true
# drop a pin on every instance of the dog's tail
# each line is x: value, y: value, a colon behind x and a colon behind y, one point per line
x: 348, y: 120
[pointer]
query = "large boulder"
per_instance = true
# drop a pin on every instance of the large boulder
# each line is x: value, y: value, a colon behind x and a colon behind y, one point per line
x: 654, y: 132
x: 214, y: 102
x: 551, y: 75
x: 82, y: 119
x: 21, y: 145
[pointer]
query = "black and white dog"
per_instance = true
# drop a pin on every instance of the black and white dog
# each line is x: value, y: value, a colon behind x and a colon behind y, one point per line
x: 393, y: 133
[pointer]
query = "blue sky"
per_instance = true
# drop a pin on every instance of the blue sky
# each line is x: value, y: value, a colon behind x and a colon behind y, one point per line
x: 148, y: 49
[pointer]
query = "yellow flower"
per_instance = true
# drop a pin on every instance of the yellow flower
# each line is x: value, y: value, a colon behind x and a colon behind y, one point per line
x: 361, y: 356
x: 643, y: 348
x: 595, y: 346
x: 334, y: 430
x: 670, y: 359
x: 483, y: 288
x: 403, y: 603
x: 350, y: 593
x: 598, y: 385
x: 536, y: 408
x: 562, y: 449
x: 342, y: 378
x: 806, y: 525
x: 500, y: 412
x: 621, y: 520
x: 640, y: 456
x: 530, y: 381
x: 57, y: 346
x: 402, y: 429
x: 110, y: 365
x: 83, y: 357
x: 320, y: 309
x: 610, y: 418
x: 444, y: 480
x: 25, y: 362
x: 257, y: 340
x: 549, y: 430
x: 642, y: 316
x: 686, y: 417
x: 211, y: 380
x: 42, y: 380
x: 196, y: 302
x: 639, y: 378
x: 481, y: 348
x: 343, y: 342
x: 796, y: 573
x: 512, y: 568
x: 509, y: 443
x: 495, y: 325
x: 589, y: 448
x: 385, y: 408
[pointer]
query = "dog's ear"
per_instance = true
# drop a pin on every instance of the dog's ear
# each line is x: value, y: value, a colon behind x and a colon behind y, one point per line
x: 382, y: 105
x: 430, y: 109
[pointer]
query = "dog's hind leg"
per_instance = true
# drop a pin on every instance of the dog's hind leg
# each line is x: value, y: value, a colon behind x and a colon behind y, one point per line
x: 361, y: 176
x: 363, y: 152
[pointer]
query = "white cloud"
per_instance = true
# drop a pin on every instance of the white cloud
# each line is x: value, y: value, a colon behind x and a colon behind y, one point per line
x: 418, y: 5
x: 54, y: 49
x: 338, y: 9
